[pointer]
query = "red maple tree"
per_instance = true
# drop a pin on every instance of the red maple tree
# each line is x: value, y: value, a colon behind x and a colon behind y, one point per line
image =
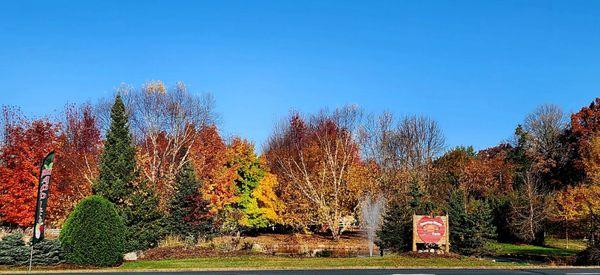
x: 25, y: 144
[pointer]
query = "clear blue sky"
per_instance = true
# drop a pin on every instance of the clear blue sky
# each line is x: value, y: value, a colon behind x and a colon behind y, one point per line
x: 478, y: 67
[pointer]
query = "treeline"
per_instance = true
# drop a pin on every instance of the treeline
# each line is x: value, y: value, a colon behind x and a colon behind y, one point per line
x: 171, y: 131
x: 156, y: 153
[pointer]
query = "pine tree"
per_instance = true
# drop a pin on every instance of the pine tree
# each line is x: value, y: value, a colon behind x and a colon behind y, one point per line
x: 395, y: 233
x: 415, y: 194
x: 418, y: 205
x: 116, y: 182
x: 189, y: 211
x: 144, y: 221
x: 117, y: 162
x: 470, y: 224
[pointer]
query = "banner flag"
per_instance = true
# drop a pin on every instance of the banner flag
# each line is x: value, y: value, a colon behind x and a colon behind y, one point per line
x: 42, y: 198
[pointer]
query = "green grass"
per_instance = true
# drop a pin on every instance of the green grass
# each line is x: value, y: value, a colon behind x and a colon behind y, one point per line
x: 272, y: 262
x: 574, y: 244
x: 555, y: 247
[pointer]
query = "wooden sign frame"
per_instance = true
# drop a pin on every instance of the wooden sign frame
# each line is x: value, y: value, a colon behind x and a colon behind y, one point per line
x: 444, y: 241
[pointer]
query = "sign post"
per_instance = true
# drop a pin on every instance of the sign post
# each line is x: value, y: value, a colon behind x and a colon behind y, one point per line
x: 42, y: 201
x: 431, y: 230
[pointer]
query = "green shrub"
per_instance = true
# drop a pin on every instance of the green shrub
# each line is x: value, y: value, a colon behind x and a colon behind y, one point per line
x: 47, y: 252
x: 94, y: 234
x: 589, y: 256
x: 323, y: 253
x: 14, y: 251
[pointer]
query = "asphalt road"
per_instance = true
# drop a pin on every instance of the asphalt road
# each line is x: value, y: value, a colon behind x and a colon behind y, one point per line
x: 581, y: 271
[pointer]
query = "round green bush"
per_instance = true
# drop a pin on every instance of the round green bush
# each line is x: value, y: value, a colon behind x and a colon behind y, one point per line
x: 94, y: 234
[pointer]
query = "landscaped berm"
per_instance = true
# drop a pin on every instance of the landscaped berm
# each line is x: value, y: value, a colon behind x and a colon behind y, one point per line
x: 303, y: 251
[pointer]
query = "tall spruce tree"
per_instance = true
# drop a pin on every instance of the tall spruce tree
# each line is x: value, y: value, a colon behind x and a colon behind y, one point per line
x: 117, y: 162
x: 144, y: 221
x: 470, y: 224
x: 396, y: 230
x: 117, y: 179
x: 418, y: 203
x: 189, y: 212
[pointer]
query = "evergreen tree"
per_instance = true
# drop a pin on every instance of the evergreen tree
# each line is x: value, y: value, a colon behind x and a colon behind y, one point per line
x: 117, y: 162
x: 189, y: 211
x: 416, y: 195
x: 144, y: 221
x: 396, y: 230
x: 116, y: 182
x: 470, y: 224
x: 417, y: 203
x: 518, y: 156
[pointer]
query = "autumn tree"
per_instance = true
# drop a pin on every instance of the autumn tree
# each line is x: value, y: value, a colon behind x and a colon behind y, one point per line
x: 25, y: 143
x: 448, y: 172
x: 401, y: 149
x: 210, y: 156
x: 591, y: 159
x: 529, y: 214
x: 380, y: 166
x: 578, y: 138
x: 311, y: 158
x: 488, y: 173
x: 79, y: 150
x: 165, y: 122
x: 568, y: 208
x: 544, y: 128
x: 255, y: 192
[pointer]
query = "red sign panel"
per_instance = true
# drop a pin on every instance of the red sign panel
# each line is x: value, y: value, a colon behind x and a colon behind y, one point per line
x: 431, y: 229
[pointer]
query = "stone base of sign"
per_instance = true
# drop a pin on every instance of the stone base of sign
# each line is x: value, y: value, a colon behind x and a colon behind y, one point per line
x: 131, y: 256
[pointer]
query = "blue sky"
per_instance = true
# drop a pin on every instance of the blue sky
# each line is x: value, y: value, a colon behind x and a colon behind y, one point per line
x: 478, y: 67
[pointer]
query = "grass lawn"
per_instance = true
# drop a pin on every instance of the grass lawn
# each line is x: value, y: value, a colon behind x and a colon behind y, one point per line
x: 273, y: 262
x: 555, y: 247
x: 574, y: 244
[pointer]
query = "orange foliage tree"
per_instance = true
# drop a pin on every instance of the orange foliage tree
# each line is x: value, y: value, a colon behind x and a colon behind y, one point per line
x: 209, y: 155
x: 24, y: 145
x: 488, y: 173
x: 312, y: 161
x: 79, y: 147
x: 584, y: 125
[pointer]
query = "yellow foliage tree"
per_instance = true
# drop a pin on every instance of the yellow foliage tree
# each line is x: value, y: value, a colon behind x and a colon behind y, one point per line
x: 591, y: 160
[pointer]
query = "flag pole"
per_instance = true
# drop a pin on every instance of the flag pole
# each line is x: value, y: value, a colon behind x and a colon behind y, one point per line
x: 43, y: 190
x: 30, y: 259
